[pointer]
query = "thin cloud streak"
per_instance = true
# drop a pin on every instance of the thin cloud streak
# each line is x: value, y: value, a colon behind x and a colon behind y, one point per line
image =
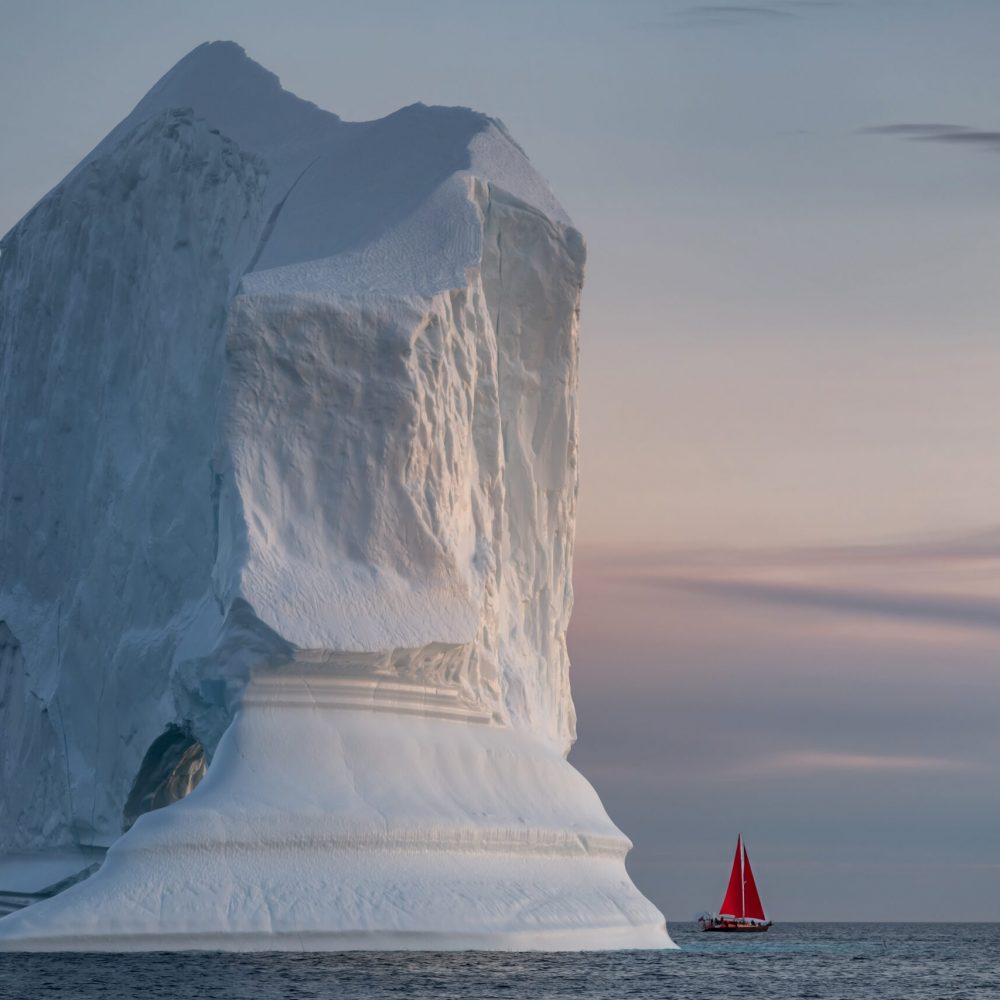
x: 734, y: 10
x: 780, y: 765
x: 913, y: 128
x: 958, y: 574
x: 936, y: 609
x: 970, y: 138
x: 818, y: 760
x: 725, y: 15
x: 716, y: 15
x: 938, y: 132
x: 973, y: 547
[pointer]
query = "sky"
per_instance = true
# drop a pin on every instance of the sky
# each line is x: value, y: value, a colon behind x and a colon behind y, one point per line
x: 788, y: 597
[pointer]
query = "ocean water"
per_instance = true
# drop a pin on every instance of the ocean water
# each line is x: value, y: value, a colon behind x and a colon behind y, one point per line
x: 827, y: 961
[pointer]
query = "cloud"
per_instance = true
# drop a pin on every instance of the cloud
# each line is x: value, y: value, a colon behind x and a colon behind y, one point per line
x: 938, y: 132
x: 974, y: 547
x: 968, y: 611
x: 935, y: 580
x: 722, y: 14
x: 711, y: 15
x: 731, y: 14
x: 970, y: 137
x: 913, y: 128
x: 821, y: 760
x: 735, y: 11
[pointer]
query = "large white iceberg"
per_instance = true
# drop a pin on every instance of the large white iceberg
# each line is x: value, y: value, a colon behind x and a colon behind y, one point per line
x: 288, y: 470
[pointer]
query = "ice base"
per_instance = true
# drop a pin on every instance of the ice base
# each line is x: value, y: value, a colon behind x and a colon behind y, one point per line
x: 361, y: 813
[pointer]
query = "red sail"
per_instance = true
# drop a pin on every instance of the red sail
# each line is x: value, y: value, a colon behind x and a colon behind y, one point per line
x: 732, y: 905
x: 752, y: 906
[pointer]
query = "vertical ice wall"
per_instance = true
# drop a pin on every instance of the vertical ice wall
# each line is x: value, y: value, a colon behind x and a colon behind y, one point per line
x: 113, y: 300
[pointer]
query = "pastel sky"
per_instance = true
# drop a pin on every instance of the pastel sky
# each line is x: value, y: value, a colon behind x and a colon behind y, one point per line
x: 788, y: 575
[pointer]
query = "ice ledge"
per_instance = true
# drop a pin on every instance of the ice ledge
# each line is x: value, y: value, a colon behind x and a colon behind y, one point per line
x: 404, y: 831
x: 614, y: 936
x: 372, y: 693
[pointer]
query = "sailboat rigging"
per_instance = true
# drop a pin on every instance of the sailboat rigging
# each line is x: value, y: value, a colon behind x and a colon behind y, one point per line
x: 741, y: 908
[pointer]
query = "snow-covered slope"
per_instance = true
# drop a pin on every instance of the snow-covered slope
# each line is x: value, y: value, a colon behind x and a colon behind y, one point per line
x: 288, y: 438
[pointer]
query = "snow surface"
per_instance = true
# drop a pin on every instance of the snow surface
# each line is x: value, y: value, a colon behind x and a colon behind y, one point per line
x: 413, y: 831
x: 289, y: 404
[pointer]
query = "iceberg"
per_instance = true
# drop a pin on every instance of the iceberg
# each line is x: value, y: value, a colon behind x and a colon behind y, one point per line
x: 289, y: 471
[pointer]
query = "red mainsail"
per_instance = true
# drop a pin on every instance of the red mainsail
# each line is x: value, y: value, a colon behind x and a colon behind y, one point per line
x: 742, y: 898
x: 732, y: 905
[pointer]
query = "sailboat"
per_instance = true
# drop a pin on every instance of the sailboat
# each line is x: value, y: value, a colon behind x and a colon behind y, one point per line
x: 742, y: 909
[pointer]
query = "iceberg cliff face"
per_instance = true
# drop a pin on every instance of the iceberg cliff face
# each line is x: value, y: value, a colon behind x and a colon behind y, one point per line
x: 114, y: 292
x: 289, y: 474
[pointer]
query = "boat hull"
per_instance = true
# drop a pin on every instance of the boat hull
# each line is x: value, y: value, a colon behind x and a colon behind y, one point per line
x: 736, y: 927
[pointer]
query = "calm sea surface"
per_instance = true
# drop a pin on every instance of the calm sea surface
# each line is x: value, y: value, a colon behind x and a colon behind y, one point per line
x: 869, y: 961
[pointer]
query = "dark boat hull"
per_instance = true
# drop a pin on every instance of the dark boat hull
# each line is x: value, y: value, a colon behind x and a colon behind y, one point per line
x: 733, y: 927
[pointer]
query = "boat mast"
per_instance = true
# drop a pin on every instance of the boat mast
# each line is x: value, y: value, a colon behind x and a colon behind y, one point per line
x: 743, y: 880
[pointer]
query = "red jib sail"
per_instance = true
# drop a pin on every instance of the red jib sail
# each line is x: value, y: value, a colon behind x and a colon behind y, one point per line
x: 742, y: 898
x: 751, y: 898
